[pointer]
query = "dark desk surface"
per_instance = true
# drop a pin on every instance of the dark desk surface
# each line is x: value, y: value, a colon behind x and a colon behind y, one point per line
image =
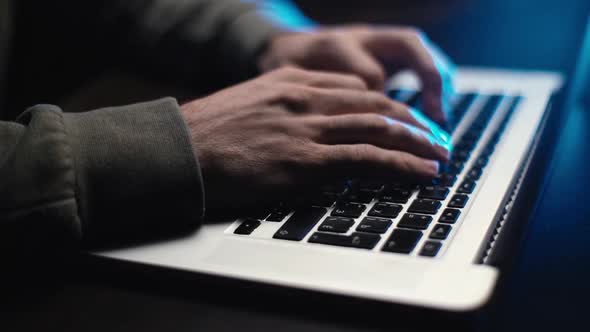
x: 547, y: 290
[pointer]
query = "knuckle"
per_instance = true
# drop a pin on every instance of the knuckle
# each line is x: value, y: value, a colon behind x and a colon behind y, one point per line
x: 413, y: 32
x: 363, y: 153
x: 356, y: 81
x: 404, y: 163
x: 295, y: 98
x: 375, y: 123
x: 376, y: 100
x: 289, y: 71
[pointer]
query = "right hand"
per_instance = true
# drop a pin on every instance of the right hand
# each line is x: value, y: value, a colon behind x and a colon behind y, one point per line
x: 290, y: 129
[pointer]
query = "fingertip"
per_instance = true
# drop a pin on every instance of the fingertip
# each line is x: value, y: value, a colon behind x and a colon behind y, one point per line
x: 431, y: 168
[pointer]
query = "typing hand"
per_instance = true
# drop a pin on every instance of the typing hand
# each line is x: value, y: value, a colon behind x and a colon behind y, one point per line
x: 362, y: 51
x: 291, y: 128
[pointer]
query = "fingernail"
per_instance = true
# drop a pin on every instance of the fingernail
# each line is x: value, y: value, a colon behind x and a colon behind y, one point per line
x: 432, y: 168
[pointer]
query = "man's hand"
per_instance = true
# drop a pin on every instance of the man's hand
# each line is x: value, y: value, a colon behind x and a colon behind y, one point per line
x: 292, y: 128
x: 362, y: 51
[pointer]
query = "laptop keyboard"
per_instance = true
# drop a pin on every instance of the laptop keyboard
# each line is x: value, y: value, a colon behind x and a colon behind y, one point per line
x: 395, y: 217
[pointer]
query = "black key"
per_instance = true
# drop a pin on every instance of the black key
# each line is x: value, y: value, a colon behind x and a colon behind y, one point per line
x: 374, y: 225
x: 446, y: 180
x: 247, y: 226
x: 402, y: 241
x: 461, y: 108
x: 300, y: 223
x: 488, y: 149
x: 416, y: 221
x: 454, y: 167
x: 458, y: 201
x: 354, y: 240
x: 465, y: 145
x: 336, y: 224
x: 440, y: 231
x: 334, y: 188
x: 430, y: 248
x: 423, y: 205
x: 360, y: 196
x: 259, y: 214
x: 279, y: 214
x: 473, y: 174
x: 324, y: 199
x: 395, y: 195
x: 472, y: 134
x: 481, y: 162
x: 434, y: 192
x: 367, y: 185
x: 385, y: 210
x: 466, y: 187
x: 351, y: 210
x: 449, y: 216
x: 460, y: 155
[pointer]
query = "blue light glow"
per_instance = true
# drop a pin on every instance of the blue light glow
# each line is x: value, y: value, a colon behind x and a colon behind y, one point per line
x: 284, y: 14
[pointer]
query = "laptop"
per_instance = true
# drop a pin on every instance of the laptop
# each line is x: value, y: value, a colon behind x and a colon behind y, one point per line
x: 428, y: 244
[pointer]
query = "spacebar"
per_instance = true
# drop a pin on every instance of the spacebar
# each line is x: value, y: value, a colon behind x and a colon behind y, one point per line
x: 300, y: 223
x: 355, y: 240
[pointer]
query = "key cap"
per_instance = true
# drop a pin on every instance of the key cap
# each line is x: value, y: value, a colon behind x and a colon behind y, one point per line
x: 472, y: 134
x: 446, y: 180
x: 359, y: 196
x: 259, y: 214
x: 385, y: 210
x: 434, y: 192
x: 278, y: 214
x: 336, y: 224
x: 354, y: 240
x: 402, y: 241
x: 351, y: 210
x: 481, y: 162
x: 324, y: 199
x: 449, y: 216
x: 440, y: 231
x: 460, y: 155
x: 458, y: 201
x: 489, y: 148
x: 416, y: 221
x: 465, y: 145
x: 374, y: 225
x: 423, y: 205
x: 430, y: 248
x: 395, y: 195
x: 300, y: 223
x: 473, y: 174
x: 247, y: 226
x: 466, y: 187
x: 461, y: 108
x: 368, y: 185
x: 454, y: 167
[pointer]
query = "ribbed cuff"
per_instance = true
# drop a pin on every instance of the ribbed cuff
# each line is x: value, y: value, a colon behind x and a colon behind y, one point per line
x: 136, y: 173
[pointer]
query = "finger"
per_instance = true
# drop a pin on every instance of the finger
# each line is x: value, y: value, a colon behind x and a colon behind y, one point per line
x: 323, y: 79
x: 380, y: 131
x: 366, y: 159
x: 353, y: 58
x: 338, y: 101
x: 407, y: 48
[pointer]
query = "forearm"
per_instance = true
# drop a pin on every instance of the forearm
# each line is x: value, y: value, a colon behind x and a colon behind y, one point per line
x: 96, y: 177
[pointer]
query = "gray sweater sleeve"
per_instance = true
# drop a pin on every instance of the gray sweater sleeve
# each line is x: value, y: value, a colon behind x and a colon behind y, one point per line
x: 98, y: 177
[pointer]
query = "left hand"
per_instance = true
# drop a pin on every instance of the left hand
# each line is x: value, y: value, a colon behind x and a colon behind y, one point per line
x: 362, y: 50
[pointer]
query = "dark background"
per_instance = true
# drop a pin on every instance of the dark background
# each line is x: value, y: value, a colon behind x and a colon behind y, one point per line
x: 546, y: 290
